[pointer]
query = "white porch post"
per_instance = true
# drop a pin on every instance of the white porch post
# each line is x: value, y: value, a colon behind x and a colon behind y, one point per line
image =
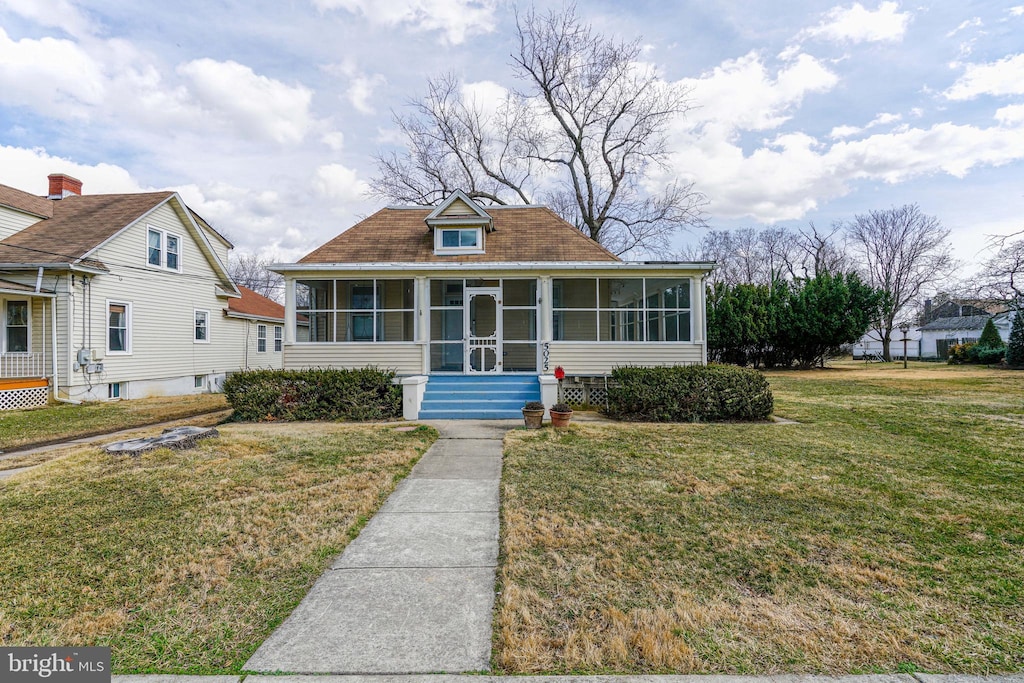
x: 423, y: 322
x: 545, y: 308
x: 290, y: 319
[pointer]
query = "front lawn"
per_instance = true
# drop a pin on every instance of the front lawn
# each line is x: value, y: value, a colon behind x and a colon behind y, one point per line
x: 185, y: 561
x: 65, y: 421
x: 883, y: 533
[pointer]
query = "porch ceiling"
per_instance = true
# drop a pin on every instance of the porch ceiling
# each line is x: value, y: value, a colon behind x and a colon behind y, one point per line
x: 11, y: 287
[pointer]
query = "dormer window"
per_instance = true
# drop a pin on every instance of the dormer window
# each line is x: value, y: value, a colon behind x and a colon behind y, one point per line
x: 458, y: 241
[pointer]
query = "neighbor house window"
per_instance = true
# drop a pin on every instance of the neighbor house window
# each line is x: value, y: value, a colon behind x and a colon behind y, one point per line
x: 456, y: 240
x: 16, y: 327
x: 621, y: 309
x: 261, y: 339
x: 202, y: 326
x: 357, y: 310
x: 119, y: 326
x: 278, y: 338
x: 163, y: 250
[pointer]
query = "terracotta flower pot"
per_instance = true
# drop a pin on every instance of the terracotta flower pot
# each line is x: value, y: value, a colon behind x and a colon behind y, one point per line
x: 533, y: 418
x: 560, y: 420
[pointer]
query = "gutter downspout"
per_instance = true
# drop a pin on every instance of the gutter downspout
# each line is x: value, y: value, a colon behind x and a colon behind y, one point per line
x: 39, y: 280
x: 56, y: 381
x: 704, y: 317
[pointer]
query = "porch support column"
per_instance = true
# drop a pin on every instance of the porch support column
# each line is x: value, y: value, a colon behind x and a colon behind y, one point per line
x: 423, y: 322
x: 290, y: 318
x: 545, y: 311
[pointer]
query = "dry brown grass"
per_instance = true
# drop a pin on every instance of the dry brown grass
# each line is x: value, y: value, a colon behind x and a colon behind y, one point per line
x: 62, y: 422
x: 883, y: 533
x: 184, y: 561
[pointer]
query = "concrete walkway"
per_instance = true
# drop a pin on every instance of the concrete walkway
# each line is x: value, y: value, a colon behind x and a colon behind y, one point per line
x: 705, y: 678
x: 413, y: 593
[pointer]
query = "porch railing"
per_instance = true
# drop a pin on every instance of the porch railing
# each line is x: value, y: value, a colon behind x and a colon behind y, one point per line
x: 17, y: 365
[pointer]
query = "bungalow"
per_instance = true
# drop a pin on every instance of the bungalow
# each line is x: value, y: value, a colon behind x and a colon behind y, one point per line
x: 474, y: 307
x: 942, y: 333
x: 119, y: 296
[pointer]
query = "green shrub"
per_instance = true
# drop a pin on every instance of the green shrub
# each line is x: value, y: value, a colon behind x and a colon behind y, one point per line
x: 990, y: 336
x: 697, y: 393
x: 960, y: 353
x: 986, y: 355
x: 318, y: 394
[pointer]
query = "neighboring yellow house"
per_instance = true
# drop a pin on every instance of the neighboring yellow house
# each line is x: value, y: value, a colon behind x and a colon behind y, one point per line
x: 474, y: 307
x: 115, y: 296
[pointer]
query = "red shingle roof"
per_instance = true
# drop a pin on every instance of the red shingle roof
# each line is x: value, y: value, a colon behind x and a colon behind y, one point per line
x: 521, y: 234
x: 255, y: 305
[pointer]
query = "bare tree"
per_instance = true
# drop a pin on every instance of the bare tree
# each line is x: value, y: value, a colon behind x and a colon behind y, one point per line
x: 1002, y: 274
x: 588, y: 124
x: 819, y: 252
x: 749, y: 255
x: 902, y: 251
x: 251, y: 271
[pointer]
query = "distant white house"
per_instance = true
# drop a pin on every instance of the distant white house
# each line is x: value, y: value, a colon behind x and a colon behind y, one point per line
x: 939, y: 335
x: 120, y: 296
x: 870, y: 345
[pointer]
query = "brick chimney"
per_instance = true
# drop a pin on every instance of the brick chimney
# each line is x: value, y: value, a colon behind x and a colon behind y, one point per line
x: 62, y: 185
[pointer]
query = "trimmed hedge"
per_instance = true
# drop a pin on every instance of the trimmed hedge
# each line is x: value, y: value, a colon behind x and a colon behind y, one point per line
x: 318, y: 394
x: 696, y: 393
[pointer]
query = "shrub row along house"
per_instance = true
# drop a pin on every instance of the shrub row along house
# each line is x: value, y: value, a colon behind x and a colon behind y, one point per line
x: 120, y: 296
x: 475, y: 307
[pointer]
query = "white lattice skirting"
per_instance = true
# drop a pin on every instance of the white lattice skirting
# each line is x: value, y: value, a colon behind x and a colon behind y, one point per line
x: 577, y: 394
x: 13, y: 399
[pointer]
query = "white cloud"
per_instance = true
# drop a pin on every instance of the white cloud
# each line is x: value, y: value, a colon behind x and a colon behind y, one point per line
x: 740, y: 94
x: 26, y: 169
x: 335, y: 140
x: 50, y: 74
x: 361, y: 90
x: 1002, y: 77
x: 455, y: 19
x: 1013, y: 114
x: 334, y: 181
x: 965, y: 24
x: 844, y: 131
x: 53, y: 13
x: 259, y: 105
x: 856, y: 24
x: 1016, y: 11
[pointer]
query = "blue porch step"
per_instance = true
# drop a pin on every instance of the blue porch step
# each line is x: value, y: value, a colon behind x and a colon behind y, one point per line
x: 478, y: 397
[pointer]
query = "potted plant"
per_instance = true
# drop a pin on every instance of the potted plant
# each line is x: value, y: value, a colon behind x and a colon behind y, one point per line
x: 561, y: 413
x: 533, y: 414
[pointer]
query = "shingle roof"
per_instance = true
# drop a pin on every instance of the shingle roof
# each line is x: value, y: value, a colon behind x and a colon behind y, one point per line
x: 527, y: 233
x: 79, y: 225
x: 965, y: 322
x: 23, y: 201
x: 255, y: 305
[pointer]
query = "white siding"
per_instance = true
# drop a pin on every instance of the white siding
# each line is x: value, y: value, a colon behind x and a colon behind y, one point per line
x: 219, y: 247
x: 404, y: 359
x: 599, y: 358
x: 162, y: 315
x: 12, y: 221
x: 252, y: 358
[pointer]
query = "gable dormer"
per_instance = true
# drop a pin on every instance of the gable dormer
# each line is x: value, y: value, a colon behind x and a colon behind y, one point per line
x: 460, y: 226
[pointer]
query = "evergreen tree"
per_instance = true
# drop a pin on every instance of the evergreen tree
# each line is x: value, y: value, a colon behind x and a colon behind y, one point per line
x: 1015, y: 346
x: 990, y: 336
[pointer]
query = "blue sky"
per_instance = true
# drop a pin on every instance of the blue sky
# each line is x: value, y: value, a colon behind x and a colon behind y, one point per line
x: 266, y: 115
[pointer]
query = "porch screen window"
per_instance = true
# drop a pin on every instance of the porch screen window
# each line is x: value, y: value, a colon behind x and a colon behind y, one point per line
x: 17, y: 326
x: 373, y: 310
x: 621, y: 309
x: 117, y: 328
